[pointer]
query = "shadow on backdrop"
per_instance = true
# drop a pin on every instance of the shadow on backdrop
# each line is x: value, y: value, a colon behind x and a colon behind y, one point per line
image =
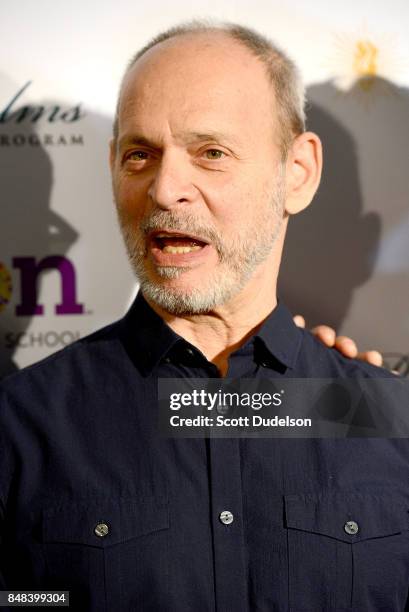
x: 331, y: 247
x: 29, y: 227
x: 65, y: 167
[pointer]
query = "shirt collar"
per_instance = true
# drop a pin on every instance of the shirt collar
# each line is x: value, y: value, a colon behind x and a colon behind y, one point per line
x: 281, y: 336
x: 148, y: 338
x: 146, y: 335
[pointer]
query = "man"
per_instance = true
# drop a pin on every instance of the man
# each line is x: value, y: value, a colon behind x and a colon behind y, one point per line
x: 209, y: 159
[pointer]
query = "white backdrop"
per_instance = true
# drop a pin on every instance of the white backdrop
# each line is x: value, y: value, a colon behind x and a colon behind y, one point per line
x: 347, y: 258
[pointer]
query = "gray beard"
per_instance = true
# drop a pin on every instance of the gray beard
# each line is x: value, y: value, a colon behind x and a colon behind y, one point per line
x: 237, y: 262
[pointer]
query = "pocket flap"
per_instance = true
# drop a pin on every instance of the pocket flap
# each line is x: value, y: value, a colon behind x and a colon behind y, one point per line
x: 104, y: 523
x: 348, y: 517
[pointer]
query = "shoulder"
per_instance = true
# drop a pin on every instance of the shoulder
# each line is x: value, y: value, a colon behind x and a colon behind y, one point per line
x: 317, y: 360
x: 85, y: 358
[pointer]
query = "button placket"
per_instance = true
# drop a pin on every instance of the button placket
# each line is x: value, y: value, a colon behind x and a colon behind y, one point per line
x: 228, y: 533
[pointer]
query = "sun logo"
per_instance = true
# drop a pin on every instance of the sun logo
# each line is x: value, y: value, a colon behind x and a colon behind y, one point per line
x: 364, y: 60
x: 6, y: 286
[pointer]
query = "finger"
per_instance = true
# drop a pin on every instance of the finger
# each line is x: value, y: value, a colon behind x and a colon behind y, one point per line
x: 299, y: 320
x: 325, y: 334
x: 346, y: 346
x: 373, y: 357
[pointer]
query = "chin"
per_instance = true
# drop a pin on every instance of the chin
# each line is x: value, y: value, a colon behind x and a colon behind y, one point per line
x: 179, y: 300
x: 182, y: 298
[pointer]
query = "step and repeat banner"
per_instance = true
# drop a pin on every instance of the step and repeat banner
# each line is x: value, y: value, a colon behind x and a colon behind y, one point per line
x: 63, y: 268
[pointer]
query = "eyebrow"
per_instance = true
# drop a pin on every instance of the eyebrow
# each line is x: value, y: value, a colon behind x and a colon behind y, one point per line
x: 187, y: 138
x: 137, y: 140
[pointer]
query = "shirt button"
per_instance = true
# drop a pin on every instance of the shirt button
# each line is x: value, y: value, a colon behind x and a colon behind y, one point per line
x: 264, y: 364
x: 351, y: 527
x: 101, y: 530
x: 167, y: 360
x: 190, y: 352
x: 226, y: 517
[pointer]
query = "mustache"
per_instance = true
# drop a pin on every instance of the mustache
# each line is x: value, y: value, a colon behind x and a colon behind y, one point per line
x: 169, y: 221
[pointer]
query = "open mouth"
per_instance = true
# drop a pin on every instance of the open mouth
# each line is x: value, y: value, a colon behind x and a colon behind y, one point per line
x: 177, y: 243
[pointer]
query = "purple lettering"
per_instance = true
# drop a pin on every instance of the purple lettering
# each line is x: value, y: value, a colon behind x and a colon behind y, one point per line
x: 30, y: 271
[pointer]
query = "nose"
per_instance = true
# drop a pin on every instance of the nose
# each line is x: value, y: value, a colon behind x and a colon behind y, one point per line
x: 172, y: 184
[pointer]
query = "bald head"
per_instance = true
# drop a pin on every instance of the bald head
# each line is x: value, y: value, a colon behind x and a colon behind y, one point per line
x: 186, y: 42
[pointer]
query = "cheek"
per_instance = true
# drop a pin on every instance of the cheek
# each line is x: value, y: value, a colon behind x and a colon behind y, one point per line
x: 130, y: 195
x: 238, y: 208
x: 226, y: 204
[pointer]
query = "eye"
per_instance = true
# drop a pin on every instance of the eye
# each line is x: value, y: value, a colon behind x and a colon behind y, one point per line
x: 214, y: 154
x: 138, y: 156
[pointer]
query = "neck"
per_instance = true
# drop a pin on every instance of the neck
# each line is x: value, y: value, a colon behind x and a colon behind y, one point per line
x: 220, y: 332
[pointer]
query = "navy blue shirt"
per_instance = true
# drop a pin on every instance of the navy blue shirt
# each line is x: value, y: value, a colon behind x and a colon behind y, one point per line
x: 94, y: 501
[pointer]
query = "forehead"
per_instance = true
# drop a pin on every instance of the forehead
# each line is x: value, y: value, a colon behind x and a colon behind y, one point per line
x: 203, y: 82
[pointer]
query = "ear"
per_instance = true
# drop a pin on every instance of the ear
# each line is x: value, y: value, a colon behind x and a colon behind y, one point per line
x: 303, y: 171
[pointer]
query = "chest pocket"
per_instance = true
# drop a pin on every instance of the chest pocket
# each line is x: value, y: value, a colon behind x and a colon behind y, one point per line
x: 347, y: 552
x: 109, y: 554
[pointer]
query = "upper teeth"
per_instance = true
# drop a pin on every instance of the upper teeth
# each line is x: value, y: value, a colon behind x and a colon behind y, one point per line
x: 181, y: 249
